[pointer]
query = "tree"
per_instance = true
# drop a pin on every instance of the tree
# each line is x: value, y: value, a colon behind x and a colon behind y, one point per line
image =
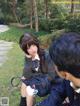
x: 72, y: 6
x: 35, y: 15
x: 31, y: 14
x: 46, y: 8
x: 13, y: 6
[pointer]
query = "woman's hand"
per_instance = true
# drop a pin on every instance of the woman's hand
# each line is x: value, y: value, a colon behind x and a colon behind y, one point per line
x: 36, y: 57
x: 23, y: 78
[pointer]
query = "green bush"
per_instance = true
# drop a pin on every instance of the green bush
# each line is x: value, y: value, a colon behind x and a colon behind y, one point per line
x: 72, y: 23
x: 51, y: 24
x: 46, y: 40
x: 44, y: 25
x: 55, y: 20
x: 57, y: 11
x: 57, y: 33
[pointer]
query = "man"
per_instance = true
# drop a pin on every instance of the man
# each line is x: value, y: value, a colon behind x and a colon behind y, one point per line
x: 65, y: 52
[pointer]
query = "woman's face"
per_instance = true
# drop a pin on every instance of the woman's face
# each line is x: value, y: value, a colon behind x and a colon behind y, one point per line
x: 32, y: 50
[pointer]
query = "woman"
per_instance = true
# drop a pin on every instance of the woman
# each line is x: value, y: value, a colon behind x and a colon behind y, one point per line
x: 38, y: 65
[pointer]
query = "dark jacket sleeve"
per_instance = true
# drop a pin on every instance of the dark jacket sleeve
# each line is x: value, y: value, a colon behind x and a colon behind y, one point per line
x: 51, y: 73
x: 27, y: 73
x: 56, y: 97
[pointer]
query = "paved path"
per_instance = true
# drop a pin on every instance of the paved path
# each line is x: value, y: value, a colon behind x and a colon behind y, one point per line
x: 3, y: 28
x: 4, y: 48
x: 4, y: 45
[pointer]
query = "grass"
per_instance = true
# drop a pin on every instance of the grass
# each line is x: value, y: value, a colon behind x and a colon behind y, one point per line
x: 14, y: 33
x: 12, y: 67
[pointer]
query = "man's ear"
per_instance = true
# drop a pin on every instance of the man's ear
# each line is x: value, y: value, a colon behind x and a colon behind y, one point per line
x: 68, y: 75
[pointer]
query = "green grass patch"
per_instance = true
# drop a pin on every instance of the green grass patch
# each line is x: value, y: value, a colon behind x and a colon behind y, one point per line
x: 14, y: 64
x: 12, y: 67
x: 14, y: 33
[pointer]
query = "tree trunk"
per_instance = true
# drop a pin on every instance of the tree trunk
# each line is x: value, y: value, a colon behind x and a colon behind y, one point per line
x: 31, y: 14
x: 35, y: 15
x: 14, y: 13
x: 46, y: 8
x: 13, y: 7
x: 72, y: 7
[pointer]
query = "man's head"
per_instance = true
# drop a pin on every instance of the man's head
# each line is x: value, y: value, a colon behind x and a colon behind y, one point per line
x: 65, y: 52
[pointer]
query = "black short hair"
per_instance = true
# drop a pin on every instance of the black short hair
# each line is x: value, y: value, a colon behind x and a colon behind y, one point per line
x: 65, y: 52
x: 26, y: 40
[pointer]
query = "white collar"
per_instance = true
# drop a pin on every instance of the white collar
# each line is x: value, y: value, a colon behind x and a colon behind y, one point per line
x: 36, y: 57
x: 77, y: 89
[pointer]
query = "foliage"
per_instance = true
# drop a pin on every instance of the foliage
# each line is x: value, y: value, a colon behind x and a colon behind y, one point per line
x: 55, y: 20
x: 6, y: 11
x: 23, y: 11
x: 51, y: 24
x: 72, y: 23
x: 46, y: 40
x: 58, y: 15
x: 57, y: 11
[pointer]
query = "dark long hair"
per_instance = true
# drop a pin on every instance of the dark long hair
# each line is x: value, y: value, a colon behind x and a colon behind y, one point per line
x: 26, y: 40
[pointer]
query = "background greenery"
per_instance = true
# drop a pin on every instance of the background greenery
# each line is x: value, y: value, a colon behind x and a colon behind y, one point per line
x: 46, y: 15
x: 48, y: 21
